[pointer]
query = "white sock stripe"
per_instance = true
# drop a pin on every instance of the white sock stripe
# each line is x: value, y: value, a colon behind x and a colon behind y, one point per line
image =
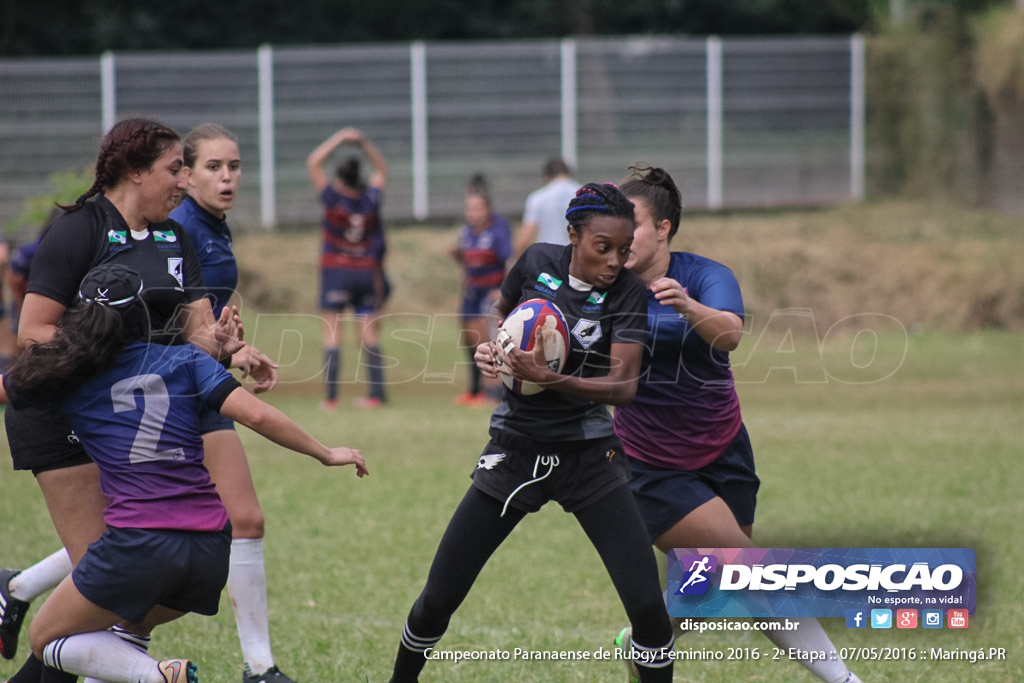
x: 638, y: 646
x: 652, y: 657
x: 140, y: 643
x: 413, y: 642
x: 51, y: 654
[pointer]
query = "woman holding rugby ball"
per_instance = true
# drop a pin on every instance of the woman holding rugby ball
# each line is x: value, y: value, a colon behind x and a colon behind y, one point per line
x: 559, y: 444
x: 687, y: 447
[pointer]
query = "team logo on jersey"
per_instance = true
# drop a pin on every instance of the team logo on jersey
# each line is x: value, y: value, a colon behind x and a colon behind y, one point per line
x: 587, y: 332
x: 118, y: 236
x: 596, y: 298
x: 161, y: 236
x: 174, y: 267
x: 488, y: 461
x: 548, y: 281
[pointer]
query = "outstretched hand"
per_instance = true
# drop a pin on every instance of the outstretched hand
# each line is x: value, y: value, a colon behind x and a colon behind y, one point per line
x: 347, y: 456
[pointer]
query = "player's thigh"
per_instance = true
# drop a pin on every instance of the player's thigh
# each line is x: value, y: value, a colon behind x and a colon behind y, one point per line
x: 710, y: 525
x: 229, y: 469
x: 76, y: 503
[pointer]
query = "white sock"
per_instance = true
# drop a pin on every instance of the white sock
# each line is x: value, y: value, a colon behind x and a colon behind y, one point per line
x: 140, y: 643
x: 30, y: 583
x: 247, y: 586
x: 102, y: 655
x: 809, y: 636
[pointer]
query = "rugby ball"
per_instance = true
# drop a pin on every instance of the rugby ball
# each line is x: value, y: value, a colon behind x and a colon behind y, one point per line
x: 519, y: 331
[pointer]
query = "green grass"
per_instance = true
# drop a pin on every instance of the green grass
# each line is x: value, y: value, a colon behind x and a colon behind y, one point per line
x: 926, y: 455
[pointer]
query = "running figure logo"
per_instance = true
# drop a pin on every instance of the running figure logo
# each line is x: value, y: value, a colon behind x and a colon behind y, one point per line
x: 696, y: 580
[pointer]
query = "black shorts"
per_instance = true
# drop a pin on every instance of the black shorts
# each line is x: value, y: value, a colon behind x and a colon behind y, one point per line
x: 131, y: 571
x: 526, y: 476
x: 41, y: 439
x: 666, y: 496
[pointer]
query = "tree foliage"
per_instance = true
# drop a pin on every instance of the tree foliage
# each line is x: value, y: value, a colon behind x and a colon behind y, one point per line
x: 74, y: 27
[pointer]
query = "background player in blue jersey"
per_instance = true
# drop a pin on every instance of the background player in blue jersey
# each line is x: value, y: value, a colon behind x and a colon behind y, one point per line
x: 485, y: 244
x: 352, y: 257
x: 689, y: 453
x: 137, y: 406
x: 559, y: 444
x: 122, y: 218
x: 213, y: 169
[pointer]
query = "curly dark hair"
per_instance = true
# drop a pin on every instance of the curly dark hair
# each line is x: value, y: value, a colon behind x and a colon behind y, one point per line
x: 597, y: 199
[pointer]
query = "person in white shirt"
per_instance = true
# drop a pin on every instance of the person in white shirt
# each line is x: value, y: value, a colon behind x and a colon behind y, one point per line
x: 544, y: 214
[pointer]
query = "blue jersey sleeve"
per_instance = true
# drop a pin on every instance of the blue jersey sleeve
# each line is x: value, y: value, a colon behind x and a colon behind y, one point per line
x: 709, y: 282
x: 212, y: 380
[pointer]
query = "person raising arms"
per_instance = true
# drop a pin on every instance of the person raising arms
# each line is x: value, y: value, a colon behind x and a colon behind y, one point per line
x: 351, y: 258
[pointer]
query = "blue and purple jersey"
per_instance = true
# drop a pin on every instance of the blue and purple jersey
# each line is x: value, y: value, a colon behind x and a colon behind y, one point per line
x: 484, y: 253
x: 139, y: 422
x: 686, y: 410
x: 353, y: 236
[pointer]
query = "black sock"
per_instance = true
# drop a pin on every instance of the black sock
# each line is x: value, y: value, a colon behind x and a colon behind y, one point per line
x: 375, y: 370
x: 475, y: 378
x: 30, y: 672
x: 332, y: 363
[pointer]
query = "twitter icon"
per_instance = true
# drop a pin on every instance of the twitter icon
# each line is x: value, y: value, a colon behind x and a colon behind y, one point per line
x: 881, y: 618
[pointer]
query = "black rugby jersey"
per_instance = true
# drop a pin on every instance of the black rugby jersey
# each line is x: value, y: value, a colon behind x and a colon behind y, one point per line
x: 595, y: 320
x: 166, y: 258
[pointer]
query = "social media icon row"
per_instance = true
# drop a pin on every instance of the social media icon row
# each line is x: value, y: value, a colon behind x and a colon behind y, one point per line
x: 906, y: 618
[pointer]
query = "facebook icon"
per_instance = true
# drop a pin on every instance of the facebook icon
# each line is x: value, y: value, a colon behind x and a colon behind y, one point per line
x: 855, y: 618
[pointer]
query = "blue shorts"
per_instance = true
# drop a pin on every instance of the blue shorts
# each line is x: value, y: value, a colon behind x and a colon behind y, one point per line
x: 341, y: 288
x: 476, y: 301
x: 131, y: 571
x: 666, y: 496
x: 525, y: 476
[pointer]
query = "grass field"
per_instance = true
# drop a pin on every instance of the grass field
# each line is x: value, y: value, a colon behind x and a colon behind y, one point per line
x: 890, y: 437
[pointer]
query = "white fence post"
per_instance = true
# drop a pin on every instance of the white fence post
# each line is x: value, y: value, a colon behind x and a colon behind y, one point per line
x: 857, y: 102
x: 268, y: 196
x: 714, y: 115
x: 420, y: 168
x: 108, y: 91
x: 569, y: 104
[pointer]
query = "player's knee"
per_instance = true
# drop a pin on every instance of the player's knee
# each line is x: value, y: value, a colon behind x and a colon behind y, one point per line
x: 248, y: 525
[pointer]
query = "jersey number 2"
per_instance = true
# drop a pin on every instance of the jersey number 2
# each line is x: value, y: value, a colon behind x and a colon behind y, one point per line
x: 156, y: 403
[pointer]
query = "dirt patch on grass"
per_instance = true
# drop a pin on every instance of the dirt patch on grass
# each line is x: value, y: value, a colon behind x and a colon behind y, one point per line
x: 926, y: 266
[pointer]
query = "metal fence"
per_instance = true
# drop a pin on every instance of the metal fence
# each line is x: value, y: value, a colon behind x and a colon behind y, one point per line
x: 739, y: 122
